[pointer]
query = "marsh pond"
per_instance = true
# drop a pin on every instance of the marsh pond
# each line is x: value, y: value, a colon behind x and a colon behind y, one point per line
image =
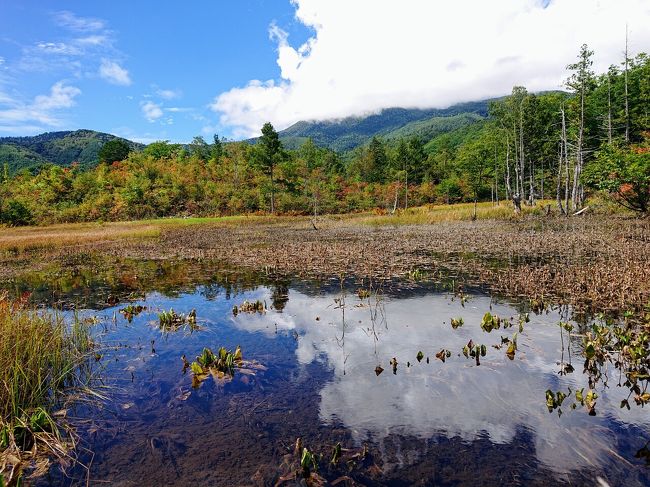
x: 336, y: 382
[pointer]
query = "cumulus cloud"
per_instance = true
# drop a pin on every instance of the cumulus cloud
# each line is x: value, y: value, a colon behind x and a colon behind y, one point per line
x: 112, y: 72
x: 151, y: 111
x: 40, y: 112
x: 372, y: 54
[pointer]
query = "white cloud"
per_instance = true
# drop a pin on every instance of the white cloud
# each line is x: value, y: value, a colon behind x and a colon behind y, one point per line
x: 169, y: 94
x: 151, y: 111
x: 41, y: 112
x: 179, y: 109
x: 114, y: 73
x: 371, y: 54
x: 61, y: 96
x: 94, y: 40
x: 58, y: 48
x: 80, y: 24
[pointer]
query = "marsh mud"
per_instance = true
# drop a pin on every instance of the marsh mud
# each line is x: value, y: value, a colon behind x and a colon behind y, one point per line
x: 421, y: 422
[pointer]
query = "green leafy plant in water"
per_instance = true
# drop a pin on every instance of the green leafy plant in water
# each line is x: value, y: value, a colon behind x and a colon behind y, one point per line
x: 474, y: 351
x: 221, y: 365
x: 172, y: 321
x: 524, y: 318
x: 363, y: 293
x: 336, y: 454
x: 512, y: 347
x: 419, y: 356
x: 308, y: 463
x: 131, y: 311
x: 456, y: 323
x: 490, y: 322
x: 554, y: 400
x: 566, y: 326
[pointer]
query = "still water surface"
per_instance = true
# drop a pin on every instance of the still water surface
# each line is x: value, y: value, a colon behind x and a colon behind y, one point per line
x: 430, y: 423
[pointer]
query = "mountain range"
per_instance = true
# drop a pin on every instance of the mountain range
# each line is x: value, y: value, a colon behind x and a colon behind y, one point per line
x: 342, y: 135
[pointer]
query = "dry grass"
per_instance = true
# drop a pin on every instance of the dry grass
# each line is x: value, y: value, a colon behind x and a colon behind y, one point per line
x: 430, y: 214
x: 26, y: 239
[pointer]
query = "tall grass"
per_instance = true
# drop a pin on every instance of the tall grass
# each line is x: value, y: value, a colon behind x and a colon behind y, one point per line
x: 43, y: 362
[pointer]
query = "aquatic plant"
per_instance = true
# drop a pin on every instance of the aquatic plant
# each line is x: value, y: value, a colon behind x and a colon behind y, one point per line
x: 555, y: 399
x: 308, y: 463
x: 129, y: 312
x: 474, y: 351
x: 221, y: 366
x: 172, y: 321
x: 443, y: 355
x: 490, y: 322
x: 626, y: 345
x: 456, y: 323
x: 363, y: 293
x: 250, y: 307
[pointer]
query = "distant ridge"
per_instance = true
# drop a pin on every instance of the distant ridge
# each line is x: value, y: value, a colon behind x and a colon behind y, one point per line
x: 345, y: 134
x: 58, y: 148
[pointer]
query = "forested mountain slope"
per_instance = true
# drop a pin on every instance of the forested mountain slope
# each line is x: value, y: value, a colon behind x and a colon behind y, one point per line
x: 348, y: 133
x: 58, y: 148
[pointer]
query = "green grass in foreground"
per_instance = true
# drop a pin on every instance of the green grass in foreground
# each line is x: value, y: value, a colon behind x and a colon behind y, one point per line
x: 43, y: 364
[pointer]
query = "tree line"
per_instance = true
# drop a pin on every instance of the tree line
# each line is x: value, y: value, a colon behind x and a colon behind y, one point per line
x: 593, y: 136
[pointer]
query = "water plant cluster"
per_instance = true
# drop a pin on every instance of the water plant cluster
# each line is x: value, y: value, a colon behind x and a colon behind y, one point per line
x: 221, y: 365
x: 131, y: 311
x: 172, y: 321
x: 626, y: 345
x: 330, y: 465
x: 250, y: 307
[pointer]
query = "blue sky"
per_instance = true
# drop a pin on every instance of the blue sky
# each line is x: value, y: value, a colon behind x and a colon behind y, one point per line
x: 161, y: 70
x: 159, y: 60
